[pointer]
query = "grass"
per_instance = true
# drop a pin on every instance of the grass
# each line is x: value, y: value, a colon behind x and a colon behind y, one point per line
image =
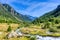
x: 33, y: 31
x: 26, y: 30
x: 22, y: 38
x: 4, y: 26
x: 39, y: 31
x: 3, y: 31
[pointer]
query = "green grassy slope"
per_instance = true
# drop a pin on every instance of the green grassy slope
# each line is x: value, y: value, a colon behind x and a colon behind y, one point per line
x: 53, y: 15
x: 50, y: 21
x: 17, y: 15
x: 8, y: 14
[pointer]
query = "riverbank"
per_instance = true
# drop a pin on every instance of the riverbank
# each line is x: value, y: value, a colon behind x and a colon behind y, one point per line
x: 38, y: 31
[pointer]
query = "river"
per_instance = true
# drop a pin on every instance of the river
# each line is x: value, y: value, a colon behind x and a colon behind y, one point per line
x: 47, y: 38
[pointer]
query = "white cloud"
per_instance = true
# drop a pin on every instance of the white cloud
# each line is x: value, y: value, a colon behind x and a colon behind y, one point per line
x: 45, y: 9
x: 33, y: 6
x: 44, y: 6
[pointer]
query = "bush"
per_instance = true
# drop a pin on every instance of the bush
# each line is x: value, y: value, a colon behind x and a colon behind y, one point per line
x: 32, y: 38
x: 9, y: 29
x: 51, y: 20
x: 52, y: 30
x: 58, y: 27
x: 57, y: 21
x: 47, y: 25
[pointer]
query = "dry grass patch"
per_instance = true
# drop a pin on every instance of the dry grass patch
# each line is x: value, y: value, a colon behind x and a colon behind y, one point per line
x: 14, y: 26
x: 4, y: 26
x: 33, y: 31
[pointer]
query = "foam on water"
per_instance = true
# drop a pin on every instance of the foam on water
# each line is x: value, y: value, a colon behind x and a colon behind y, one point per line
x: 47, y: 38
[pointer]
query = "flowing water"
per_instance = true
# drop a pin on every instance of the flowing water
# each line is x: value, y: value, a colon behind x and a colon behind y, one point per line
x: 47, y: 38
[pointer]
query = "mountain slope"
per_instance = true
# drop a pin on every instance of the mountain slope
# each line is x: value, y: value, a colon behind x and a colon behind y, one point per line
x: 17, y: 15
x: 49, y: 21
x: 8, y: 14
x: 5, y: 16
x: 52, y: 15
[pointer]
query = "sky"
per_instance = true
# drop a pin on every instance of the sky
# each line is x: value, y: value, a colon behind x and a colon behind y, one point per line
x: 34, y: 8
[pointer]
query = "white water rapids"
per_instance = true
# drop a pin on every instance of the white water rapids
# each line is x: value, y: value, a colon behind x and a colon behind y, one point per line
x: 47, y: 38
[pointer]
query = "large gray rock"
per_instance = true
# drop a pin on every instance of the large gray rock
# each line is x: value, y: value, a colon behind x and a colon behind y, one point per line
x: 14, y: 34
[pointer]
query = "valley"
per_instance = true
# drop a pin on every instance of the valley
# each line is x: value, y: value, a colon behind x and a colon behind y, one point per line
x: 46, y: 26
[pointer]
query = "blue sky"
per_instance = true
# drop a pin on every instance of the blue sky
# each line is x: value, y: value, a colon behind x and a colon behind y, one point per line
x: 32, y: 7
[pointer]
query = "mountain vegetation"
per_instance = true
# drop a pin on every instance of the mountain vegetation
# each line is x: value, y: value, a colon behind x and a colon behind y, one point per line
x: 50, y: 20
x: 9, y: 15
x: 50, y: 16
x: 45, y: 25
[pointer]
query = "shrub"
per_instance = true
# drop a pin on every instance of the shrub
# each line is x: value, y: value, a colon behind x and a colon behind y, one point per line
x: 51, y: 20
x: 9, y: 29
x: 32, y: 38
x: 57, y: 21
x: 47, y: 25
x: 52, y: 30
x: 58, y: 27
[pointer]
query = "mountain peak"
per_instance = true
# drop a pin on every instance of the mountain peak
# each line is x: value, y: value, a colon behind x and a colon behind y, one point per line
x: 58, y: 7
